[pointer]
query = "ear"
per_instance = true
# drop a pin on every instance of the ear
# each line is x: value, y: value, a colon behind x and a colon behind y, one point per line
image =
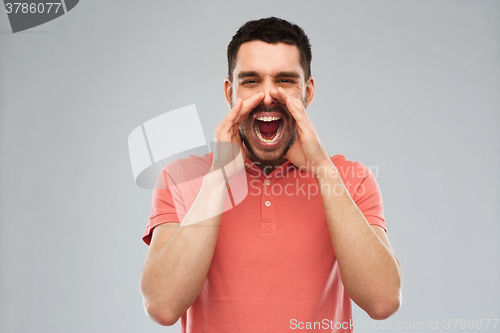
x: 310, y: 90
x: 228, y: 90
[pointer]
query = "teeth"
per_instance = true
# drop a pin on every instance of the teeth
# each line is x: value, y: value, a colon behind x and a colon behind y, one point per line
x: 268, y: 118
x: 259, y: 135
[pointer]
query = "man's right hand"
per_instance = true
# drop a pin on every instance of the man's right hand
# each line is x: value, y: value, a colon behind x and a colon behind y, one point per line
x: 178, y: 259
x: 228, y: 143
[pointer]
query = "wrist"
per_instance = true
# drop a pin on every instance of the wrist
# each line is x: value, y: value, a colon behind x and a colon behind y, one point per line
x: 325, y: 170
x: 216, y: 177
x: 329, y: 181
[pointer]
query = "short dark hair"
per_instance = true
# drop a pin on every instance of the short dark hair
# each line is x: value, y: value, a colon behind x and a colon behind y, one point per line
x: 271, y: 30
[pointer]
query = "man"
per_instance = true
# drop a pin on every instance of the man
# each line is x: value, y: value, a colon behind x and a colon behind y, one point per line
x: 278, y: 261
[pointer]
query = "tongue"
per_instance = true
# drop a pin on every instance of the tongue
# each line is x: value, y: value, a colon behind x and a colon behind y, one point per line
x: 268, y: 128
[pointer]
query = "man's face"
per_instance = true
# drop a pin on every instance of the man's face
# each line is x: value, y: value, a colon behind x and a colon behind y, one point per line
x: 269, y: 130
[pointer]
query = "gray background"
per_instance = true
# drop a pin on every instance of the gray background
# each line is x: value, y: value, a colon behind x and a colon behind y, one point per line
x: 408, y: 87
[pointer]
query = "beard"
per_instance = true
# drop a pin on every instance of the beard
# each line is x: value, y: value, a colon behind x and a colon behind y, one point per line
x: 246, y: 131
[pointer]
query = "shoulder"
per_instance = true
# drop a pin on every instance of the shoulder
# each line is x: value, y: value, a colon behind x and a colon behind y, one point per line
x: 189, y: 168
x: 350, y: 169
x: 352, y: 173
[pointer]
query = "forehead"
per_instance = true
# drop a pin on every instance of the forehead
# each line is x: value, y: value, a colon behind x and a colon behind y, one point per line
x: 267, y: 59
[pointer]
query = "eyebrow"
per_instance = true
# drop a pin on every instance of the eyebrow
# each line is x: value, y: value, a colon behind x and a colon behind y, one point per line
x: 246, y: 74
x: 293, y: 75
x: 242, y: 75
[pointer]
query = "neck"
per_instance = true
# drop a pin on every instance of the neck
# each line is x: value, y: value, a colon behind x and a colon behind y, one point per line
x: 267, y: 166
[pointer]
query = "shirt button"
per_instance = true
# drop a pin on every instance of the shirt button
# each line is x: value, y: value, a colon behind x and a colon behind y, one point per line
x: 268, y: 182
x: 247, y: 165
x: 268, y: 203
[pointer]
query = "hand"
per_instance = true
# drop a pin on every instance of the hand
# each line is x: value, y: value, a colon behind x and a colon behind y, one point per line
x: 307, y: 152
x: 228, y: 143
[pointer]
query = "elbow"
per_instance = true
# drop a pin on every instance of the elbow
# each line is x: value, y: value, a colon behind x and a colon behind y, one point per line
x: 160, y: 314
x: 158, y: 309
x: 384, y: 310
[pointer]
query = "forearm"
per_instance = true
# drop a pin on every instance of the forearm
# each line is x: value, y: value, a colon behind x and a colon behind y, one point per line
x: 370, y: 271
x: 174, y: 276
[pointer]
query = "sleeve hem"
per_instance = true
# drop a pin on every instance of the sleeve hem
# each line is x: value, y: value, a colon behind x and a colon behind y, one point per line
x: 376, y: 220
x: 154, y: 222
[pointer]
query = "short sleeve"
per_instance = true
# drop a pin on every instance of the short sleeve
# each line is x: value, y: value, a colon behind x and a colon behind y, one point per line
x: 368, y: 198
x: 175, y: 191
x: 363, y: 189
x: 166, y: 205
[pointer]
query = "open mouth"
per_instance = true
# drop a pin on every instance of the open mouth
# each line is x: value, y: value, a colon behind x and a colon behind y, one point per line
x: 268, y: 130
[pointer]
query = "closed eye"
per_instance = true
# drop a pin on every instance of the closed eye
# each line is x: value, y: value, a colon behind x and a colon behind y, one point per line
x: 286, y: 81
x: 249, y: 82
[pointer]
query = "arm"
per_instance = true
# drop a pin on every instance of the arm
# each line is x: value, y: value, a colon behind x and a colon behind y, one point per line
x: 370, y: 271
x: 369, y: 268
x: 179, y: 257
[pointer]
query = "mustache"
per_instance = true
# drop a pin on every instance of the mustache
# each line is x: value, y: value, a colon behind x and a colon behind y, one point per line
x: 270, y: 108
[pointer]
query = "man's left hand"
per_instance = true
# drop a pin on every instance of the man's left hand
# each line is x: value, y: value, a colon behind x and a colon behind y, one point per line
x: 307, y: 152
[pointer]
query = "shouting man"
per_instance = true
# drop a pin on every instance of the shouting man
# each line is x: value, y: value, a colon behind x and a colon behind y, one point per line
x: 308, y: 237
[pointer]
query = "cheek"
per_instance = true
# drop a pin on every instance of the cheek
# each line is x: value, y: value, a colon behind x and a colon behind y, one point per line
x: 296, y: 92
x: 246, y: 93
x: 246, y: 124
x: 241, y: 94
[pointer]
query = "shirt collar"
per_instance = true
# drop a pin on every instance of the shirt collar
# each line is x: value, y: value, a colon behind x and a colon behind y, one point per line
x: 254, y: 170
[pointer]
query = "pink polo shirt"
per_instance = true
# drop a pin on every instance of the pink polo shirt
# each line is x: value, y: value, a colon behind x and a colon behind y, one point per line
x: 274, y: 268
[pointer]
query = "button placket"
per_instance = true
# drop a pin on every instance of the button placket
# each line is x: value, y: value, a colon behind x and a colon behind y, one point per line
x: 268, y: 225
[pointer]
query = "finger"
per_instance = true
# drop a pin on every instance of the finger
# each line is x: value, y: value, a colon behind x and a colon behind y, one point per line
x: 238, y: 112
x: 299, y: 105
x: 274, y: 93
x: 248, y: 105
x: 236, y: 136
x: 283, y: 97
x: 230, y: 117
x: 294, y: 105
x: 295, y: 149
x: 234, y: 130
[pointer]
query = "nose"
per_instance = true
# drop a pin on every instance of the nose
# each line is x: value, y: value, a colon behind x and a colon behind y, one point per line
x: 268, y: 99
